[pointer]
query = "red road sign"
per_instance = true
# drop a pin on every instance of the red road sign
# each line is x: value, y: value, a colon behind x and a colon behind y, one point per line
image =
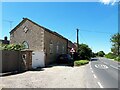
x: 72, y: 50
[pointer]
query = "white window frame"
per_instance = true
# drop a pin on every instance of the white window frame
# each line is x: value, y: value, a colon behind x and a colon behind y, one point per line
x: 25, y: 29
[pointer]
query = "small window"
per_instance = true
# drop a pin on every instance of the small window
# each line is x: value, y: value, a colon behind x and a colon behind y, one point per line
x: 51, y: 47
x: 26, y: 45
x: 25, y: 29
x: 57, y: 48
x: 63, y: 49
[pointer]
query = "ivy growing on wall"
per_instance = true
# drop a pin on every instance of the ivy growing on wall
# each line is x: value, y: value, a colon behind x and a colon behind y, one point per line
x: 14, y: 47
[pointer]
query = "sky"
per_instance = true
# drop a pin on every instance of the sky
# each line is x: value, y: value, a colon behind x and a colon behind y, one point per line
x: 96, y: 21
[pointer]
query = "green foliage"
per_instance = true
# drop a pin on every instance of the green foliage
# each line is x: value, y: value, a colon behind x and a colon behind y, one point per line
x: 93, y: 54
x: 110, y: 55
x: 14, y: 47
x: 84, y: 51
x: 100, y: 53
x: 80, y: 62
x: 117, y: 58
x: 115, y: 39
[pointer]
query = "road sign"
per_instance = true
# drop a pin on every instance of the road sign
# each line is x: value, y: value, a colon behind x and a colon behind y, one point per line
x: 72, y: 50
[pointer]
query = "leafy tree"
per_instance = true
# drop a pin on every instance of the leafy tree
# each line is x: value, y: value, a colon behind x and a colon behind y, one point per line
x: 84, y: 51
x: 110, y: 55
x: 100, y: 53
x: 115, y: 39
x: 94, y: 54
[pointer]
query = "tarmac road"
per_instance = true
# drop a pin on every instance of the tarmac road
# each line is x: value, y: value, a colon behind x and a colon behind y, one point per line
x: 106, y: 71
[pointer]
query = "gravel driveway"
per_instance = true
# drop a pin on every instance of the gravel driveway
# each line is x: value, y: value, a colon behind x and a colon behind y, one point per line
x: 52, y: 77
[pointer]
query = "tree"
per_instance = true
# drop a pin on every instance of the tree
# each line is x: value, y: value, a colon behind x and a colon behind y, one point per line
x: 115, y: 39
x: 110, y: 55
x: 94, y: 54
x: 100, y: 53
x: 84, y: 51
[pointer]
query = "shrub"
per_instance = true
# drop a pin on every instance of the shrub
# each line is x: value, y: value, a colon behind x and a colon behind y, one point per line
x: 80, y: 62
x: 84, y: 52
x: 15, y: 47
x: 110, y: 55
x: 117, y: 58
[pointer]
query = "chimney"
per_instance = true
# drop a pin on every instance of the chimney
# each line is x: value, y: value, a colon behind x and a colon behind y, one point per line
x: 5, y: 38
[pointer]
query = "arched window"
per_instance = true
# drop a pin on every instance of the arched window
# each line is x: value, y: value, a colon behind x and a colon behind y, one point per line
x: 26, y: 45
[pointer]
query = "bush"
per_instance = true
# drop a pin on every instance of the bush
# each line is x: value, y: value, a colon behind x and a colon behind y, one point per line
x: 100, y: 53
x: 117, y: 58
x: 84, y: 52
x: 14, y: 47
x: 80, y: 62
x: 110, y: 55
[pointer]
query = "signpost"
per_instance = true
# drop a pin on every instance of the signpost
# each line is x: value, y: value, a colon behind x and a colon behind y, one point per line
x: 72, y: 51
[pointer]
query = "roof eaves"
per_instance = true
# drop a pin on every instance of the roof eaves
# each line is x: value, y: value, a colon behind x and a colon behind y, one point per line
x: 24, y: 19
x: 46, y: 29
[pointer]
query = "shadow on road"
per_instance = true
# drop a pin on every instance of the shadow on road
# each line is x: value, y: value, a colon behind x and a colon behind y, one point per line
x: 54, y: 65
x: 37, y: 69
x: 19, y: 72
x: 10, y: 73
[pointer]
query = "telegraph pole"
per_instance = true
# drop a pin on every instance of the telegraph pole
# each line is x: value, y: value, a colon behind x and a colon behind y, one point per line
x: 77, y: 39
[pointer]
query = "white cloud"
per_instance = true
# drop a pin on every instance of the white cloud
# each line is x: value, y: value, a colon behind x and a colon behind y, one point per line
x: 107, y: 2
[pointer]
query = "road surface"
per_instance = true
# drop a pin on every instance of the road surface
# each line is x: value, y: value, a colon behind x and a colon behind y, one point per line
x: 105, y: 71
x: 99, y: 73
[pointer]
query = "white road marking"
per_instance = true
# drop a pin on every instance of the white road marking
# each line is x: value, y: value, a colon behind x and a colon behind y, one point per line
x: 105, y: 66
x: 94, y: 76
x: 100, y: 84
x: 111, y: 65
x: 100, y: 66
x: 90, y: 65
x: 114, y: 67
x: 90, y: 62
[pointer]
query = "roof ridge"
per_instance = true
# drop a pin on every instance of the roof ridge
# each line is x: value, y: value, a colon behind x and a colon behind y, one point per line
x: 46, y: 29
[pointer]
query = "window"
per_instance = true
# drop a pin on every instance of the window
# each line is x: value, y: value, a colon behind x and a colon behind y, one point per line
x: 51, y: 47
x: 63, y: 48
x: 25, y: 29
x: 57, y: 47
x: 26, y: 45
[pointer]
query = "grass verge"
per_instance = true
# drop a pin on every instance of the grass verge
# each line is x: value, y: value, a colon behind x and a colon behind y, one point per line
x: 80, y: 62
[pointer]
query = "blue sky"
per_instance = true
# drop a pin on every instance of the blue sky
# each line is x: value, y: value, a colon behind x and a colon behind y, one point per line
x: 96, y: 21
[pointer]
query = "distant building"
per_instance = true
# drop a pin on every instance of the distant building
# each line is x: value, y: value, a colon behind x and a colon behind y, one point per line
x: 46, y: 44
x: 5, y: 41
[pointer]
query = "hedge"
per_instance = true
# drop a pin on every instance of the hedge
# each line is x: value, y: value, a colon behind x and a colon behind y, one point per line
x: 14, y: 47
x: 80, y: 62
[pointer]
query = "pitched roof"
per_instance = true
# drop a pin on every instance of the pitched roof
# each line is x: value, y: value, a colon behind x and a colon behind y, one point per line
x: 48, y: 30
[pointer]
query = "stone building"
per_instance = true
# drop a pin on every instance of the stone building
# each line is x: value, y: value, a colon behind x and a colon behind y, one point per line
x: 46, y: 44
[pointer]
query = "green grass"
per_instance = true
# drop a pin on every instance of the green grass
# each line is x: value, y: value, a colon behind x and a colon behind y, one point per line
x: 80, y: 62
